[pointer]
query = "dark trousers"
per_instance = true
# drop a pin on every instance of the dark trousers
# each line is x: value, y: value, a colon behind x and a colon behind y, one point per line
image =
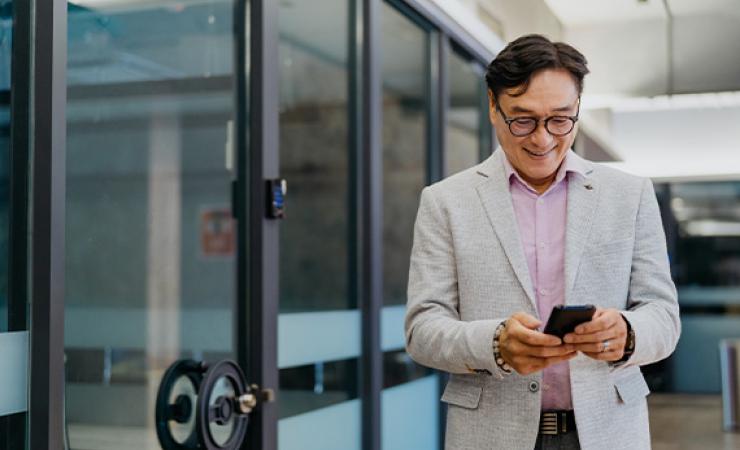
x: 565, y: 441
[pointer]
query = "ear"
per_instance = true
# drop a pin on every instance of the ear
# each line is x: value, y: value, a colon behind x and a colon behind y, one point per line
x: 491, y: 106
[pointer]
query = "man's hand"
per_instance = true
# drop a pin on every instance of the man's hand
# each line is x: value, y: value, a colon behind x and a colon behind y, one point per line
x: 527, y: 350
x: 603, y: 337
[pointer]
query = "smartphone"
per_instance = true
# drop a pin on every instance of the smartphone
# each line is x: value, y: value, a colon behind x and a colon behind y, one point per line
x: 565, y: 318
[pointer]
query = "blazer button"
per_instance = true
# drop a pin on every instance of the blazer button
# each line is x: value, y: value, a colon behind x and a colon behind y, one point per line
x: 534, y: 386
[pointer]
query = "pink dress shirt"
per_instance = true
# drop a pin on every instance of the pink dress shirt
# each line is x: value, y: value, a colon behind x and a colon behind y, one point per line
x: 541, y: 220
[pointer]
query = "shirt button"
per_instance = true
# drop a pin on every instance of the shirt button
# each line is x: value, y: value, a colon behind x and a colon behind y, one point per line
x: 534, y: 386
x: 543, y: 292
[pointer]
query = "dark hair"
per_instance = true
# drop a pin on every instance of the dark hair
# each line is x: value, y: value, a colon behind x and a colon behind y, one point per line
x: 515, y: 65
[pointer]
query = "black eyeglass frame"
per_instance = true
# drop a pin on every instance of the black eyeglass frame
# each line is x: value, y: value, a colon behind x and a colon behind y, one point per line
x: 547, y: 120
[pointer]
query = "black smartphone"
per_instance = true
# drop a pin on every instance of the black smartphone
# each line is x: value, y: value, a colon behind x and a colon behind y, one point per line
x: 565, y: 318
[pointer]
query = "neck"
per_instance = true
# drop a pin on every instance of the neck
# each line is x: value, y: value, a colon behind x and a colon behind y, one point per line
x: 540, y: 185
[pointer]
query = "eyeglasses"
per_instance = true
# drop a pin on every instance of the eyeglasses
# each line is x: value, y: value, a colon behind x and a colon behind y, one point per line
x: 555, y: 125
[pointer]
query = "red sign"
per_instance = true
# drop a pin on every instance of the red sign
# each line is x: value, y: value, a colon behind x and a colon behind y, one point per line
x: 217, y: 232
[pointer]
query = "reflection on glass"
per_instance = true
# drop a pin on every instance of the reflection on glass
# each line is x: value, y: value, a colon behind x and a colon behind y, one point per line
x: 463, y: 132
x: 312, y: 386
x: 6, y: 40
x: 707, y: 223
x: 315, y: 265
x: 150, y: 263
x: 405, y: 71
x: 6, y: 27
x: 4, y: 209
x: 405, y: 105
x: 314, y: 156
x: 399, y: 368
x: 702, y: 223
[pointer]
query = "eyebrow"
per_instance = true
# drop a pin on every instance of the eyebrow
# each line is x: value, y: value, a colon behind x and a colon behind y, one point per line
x: 519, y: 109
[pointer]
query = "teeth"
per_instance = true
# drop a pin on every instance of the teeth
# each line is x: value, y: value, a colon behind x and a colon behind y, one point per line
x: 537, y: 154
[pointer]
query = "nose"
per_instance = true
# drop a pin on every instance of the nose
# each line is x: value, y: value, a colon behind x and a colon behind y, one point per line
x: 541, y: 138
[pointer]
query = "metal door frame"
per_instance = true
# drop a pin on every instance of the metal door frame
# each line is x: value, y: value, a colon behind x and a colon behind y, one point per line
x: 258, y: 252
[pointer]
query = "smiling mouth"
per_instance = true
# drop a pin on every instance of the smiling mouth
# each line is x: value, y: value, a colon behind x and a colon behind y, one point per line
x: 539, y: 154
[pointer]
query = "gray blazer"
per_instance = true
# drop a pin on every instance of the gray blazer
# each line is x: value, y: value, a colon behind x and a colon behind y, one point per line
x: 468, y: 273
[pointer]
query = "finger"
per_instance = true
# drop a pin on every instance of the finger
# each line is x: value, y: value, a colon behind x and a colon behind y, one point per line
x: 598, y: 347
x: 539, y: 351
x: 532, y: 337
x: 600, y: 336
x: 598, y: 313
x: 605, y: 320
x: 526, y: 365
x: 605, y: 356
x: 527, y: 320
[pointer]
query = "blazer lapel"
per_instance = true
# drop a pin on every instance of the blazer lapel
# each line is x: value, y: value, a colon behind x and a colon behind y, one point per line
x: 496, y: 198
x: 583, y: 195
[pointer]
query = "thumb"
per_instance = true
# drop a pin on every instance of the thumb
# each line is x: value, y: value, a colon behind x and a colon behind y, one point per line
x: 527, y: 320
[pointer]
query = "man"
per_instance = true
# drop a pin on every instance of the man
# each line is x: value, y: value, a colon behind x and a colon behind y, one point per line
x: 498, y: 245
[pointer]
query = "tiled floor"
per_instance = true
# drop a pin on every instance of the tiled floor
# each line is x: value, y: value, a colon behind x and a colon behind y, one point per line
x: 679, y: 422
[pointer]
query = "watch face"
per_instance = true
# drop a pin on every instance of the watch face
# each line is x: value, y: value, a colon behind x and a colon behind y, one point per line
x: 631, y: 341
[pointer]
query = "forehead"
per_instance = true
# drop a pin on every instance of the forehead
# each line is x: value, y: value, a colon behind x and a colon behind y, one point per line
x: 548, y: 90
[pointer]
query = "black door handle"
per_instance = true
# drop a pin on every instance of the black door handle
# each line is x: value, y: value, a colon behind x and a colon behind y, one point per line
x: 201, y: 406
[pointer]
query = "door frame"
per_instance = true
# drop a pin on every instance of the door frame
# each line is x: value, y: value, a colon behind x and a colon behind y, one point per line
x: 47, y: 157
x: 258, y: 245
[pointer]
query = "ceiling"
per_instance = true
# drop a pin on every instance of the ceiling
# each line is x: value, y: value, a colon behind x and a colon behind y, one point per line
x: 646, y: 48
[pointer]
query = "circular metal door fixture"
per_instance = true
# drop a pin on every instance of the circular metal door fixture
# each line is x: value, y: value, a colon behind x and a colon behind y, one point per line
x: 176, y: 405
x: 222, y: 412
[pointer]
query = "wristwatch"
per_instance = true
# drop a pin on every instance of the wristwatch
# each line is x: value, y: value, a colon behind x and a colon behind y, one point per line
x: 629, y: 346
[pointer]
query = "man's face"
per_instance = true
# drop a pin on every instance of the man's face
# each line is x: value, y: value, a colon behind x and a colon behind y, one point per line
x: 537, y: 156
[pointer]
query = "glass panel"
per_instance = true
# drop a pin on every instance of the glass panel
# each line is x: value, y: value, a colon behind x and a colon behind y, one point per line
x: 411, y: 415
x: 391, y: 328
x: 318, y: 399
x: 332, y: 428
x: 702, y: 223
x: 463, y: 132
x: 6, y: 28
x: 314, y: 156
x: 405, y: 108
x: 14, y: 343
x: 150, y: 242
x: 13, y: 375
x: 6, y: 39
x: 409, y: 412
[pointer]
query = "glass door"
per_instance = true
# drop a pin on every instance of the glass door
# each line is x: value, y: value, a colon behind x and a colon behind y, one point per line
x: 319, y: 327
x: 151, y: 240
x: 467, y: 128
x: 410, y: 406
x: 14, y: 335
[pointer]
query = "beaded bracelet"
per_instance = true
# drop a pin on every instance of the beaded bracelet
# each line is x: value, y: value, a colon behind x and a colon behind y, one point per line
x: 506, y: 368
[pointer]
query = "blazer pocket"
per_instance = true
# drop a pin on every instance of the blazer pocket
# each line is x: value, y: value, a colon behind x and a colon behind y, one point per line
x: 631, y: 387
x: 462, y: 390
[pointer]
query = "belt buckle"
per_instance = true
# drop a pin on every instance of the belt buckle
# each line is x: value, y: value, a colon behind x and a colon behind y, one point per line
x: 549, y: 423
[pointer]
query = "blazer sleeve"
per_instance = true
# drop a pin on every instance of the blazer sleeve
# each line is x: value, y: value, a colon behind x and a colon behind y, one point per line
x: 652, y: 303
x: 435, y: 335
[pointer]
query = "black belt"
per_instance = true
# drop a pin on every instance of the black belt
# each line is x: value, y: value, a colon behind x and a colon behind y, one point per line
x: 557, y: 422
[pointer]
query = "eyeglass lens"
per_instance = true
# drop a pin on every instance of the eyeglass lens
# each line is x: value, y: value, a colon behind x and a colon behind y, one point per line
x: 556, y: 126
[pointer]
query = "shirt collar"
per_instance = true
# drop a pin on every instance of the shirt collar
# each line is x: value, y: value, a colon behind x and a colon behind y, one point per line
x: 571, y: 163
